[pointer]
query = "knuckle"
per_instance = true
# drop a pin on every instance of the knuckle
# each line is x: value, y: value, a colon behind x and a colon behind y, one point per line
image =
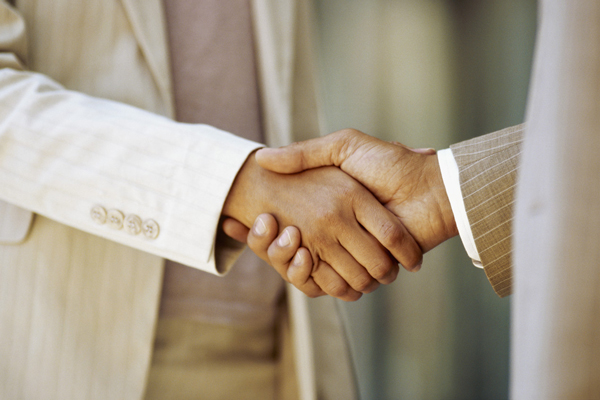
x: 348, y: 132
x: 337, y: 289
x: 349, y: 189
x: 277, y: 255
x: 328, y: 216
x: 391, y: 234
x: 352, y: 296
x: 381, y: 270
x: 362, y: 283
x: 415, y: 260
x: 313, y: 294
x: 347, y: 140
x: 372, y: 288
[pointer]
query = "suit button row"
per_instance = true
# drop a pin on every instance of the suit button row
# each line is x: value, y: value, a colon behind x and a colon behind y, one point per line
x: 131, y: 223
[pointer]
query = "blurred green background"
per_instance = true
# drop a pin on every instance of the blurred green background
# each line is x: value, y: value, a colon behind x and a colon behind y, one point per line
x: 427, y: 73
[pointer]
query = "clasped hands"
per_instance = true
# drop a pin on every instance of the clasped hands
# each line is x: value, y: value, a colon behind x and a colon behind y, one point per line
x: 335, y: 215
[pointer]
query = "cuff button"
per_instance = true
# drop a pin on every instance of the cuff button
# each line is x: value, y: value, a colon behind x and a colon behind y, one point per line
x: 98, y: 214
x: 150, y: 229
x: 114, y: 219
x: 133, y: 224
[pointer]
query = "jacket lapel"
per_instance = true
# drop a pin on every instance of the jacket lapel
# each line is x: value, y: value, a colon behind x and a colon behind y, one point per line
x: 149, y: 26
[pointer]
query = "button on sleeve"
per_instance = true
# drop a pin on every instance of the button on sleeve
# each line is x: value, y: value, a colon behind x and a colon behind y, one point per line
x: 98, y: 214
x: 115, y: 219
x: 150, y: 229
x: 133, y: 224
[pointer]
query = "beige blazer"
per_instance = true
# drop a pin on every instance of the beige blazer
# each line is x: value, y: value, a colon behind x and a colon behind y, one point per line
x: 85, y: 96
x: 556, y: 241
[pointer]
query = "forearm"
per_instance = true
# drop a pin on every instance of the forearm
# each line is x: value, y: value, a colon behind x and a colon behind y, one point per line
x: 64, y: 153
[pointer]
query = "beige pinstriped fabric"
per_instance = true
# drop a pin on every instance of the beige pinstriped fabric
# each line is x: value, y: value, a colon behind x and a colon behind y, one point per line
x: 488, y: 169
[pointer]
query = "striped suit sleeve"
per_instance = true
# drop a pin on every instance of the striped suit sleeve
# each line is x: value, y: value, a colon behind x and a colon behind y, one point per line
x: 488, y: 169
x: 64, y: 153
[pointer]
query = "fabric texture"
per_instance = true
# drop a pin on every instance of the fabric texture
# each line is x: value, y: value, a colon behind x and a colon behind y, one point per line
x: 451, y: 178
x: 555, y: 307
x: 488, y: 170
x: 556, y: 225
x: 203, y: 360
x: 215, y: 82
x: 91, y: 127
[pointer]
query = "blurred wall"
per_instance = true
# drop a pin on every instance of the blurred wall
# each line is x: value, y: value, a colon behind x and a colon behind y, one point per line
x: 427, y: 73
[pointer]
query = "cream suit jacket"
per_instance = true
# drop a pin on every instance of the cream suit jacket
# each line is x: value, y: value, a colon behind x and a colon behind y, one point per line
x: 556, y: 227
x: 85, y: 101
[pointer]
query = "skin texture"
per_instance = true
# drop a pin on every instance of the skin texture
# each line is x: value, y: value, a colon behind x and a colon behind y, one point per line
x: 293, y: 262
x: 408, y: 182
x: 347, y: 234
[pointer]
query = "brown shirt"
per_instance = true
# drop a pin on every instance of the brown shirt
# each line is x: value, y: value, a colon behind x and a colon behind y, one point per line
x: 215, y: 82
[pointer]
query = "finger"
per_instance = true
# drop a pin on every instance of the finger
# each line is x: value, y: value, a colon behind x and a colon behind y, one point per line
x: 281, y: 251
x: 390, y: 232
x: 300, y: 268
x: 423, y: 150
x: 235, y: 229
x: 362, y: 245
x: 333, y: 284
x: 426, y: 151
x: 332, y: 149
x: 299, y: 272
x: 263, y: 233
x: 351, y: 271
x: 368, y: 252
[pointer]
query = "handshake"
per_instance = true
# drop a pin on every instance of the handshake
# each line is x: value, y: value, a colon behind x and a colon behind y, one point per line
x: 335, y: 215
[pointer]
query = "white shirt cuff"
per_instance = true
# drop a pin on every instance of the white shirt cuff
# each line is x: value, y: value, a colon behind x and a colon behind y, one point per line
x: 450, y: 176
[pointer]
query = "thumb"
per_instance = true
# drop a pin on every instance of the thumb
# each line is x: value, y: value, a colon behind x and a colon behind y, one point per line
x: 332, y: 149
x: 235, y: 229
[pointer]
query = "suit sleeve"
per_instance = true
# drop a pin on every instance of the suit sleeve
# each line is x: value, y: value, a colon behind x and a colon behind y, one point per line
x: 110, y: 169
x: 487, y: 170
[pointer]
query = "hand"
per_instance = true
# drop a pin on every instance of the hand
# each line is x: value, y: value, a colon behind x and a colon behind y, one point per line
x: 292, y: 261
x: 407, y: 182
x: 334, y: 213
x: 283, y: 252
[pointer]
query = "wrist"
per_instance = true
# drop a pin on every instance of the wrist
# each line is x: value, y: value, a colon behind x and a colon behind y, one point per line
x: 448, y: 227
x: 244, y: 193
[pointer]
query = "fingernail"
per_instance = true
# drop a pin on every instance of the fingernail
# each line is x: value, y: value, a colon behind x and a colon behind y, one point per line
x: 298, y: 258
x: 259, y: 227
x: 285, y: 240
x: 296, y: 263
x: 417, y: 267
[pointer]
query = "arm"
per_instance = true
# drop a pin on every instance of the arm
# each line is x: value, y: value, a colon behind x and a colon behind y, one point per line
x: 73, y: 158
x: 342, y: 224
x: 407, y: 183
x: 487, y: 167
x: 63, y: 153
